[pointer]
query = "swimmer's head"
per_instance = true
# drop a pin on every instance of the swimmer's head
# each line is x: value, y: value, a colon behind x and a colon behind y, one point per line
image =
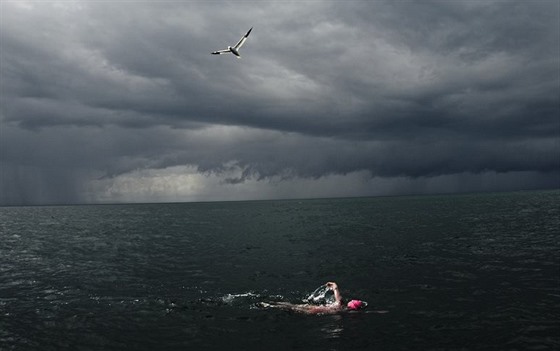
x: 356, y: 305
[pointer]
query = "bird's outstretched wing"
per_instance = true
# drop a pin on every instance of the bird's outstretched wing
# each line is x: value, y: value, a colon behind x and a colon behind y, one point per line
x: 242, y: 40
x: 219, y: 52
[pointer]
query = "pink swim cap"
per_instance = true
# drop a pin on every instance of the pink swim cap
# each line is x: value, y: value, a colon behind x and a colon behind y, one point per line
x: 355, y: 304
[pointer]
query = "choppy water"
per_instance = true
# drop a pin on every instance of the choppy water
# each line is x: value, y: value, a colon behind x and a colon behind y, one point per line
x: 454, y: 272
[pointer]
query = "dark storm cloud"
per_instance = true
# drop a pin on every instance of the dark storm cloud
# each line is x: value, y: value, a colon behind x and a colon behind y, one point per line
x: 94, y: 90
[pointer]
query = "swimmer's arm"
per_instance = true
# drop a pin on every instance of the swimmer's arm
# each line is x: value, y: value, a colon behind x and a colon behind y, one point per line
x: 334, y: 288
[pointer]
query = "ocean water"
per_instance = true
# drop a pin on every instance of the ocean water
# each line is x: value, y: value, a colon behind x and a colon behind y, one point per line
x: 455, y: 272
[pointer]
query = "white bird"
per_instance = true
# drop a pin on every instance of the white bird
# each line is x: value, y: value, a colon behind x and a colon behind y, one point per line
x: 235, y: 49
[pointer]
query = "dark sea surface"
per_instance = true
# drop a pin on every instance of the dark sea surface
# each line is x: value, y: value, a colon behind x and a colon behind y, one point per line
x: 455, y: 272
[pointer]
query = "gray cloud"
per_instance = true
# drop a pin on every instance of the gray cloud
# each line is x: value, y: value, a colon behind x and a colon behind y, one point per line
x: 411, y: 93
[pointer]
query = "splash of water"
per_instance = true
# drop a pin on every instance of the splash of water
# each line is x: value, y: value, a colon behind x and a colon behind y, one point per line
x: 231, y: 297
x: 323, y: 295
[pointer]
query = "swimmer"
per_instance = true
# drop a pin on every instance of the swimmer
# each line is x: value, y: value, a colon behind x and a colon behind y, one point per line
x: 331, y: 308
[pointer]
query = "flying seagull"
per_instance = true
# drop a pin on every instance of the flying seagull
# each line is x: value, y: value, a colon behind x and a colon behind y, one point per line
x: 235, y: 49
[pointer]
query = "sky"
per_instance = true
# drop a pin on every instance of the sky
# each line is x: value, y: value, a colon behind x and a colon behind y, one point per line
x: 121, y: 101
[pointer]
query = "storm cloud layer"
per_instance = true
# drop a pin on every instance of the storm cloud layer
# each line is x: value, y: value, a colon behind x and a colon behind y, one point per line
x: 122, y: 101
